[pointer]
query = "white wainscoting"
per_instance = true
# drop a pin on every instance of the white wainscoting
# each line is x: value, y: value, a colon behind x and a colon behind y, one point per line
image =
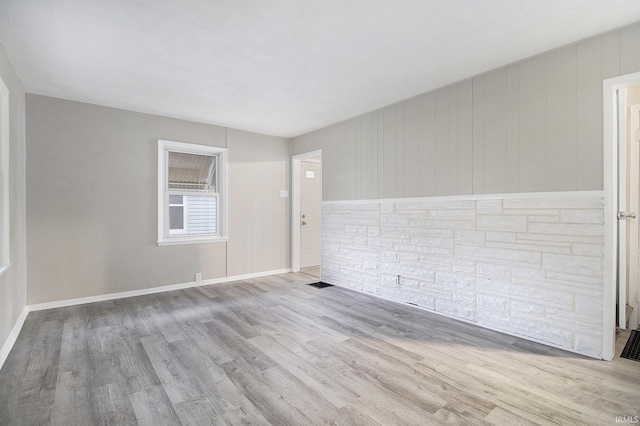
x: 530, y: 265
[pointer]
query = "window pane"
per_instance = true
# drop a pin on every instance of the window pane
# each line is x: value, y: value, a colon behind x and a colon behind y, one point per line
x: 176, y: 217
x: 194, y: 172
x: 202, y: 214
x: 175, y: 199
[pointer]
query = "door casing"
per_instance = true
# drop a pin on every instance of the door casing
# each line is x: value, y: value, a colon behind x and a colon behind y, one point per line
x: 611, y: 170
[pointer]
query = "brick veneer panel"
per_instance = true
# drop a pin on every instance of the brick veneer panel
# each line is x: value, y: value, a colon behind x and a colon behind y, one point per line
x: 530, y: 266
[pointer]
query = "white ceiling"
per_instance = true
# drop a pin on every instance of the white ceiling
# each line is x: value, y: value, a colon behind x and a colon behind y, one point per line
x: 280, y: 67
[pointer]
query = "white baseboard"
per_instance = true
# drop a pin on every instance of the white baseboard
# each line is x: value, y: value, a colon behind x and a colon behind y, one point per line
x: 13, y: 336
x: 133, y: 293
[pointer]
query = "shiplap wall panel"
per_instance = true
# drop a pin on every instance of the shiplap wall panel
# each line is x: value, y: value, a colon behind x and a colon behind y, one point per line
x: 465, y: 137
x: 589, y: 115
x: 365, y: 157
x: 513, y: 128
x: 281, y: 151
x: 269, y: 193
x: 442, y: 141
x: 399, y: 190
x: 561, y: 120
x: 629, y: 50
x: 341, y: 160
x: 238, y: 208
x: 427, y: 144
x: 258, y: 217
x: 452, y: 137
x: 381, y: 154
x: 534, y: 126
x: 478, y: 135
x: 255, y: 175
x: 495, y: 132
x: 389, y: 151
x: 375, y: 171
x: 357, y: 157
x: 610, y: 55
x: 411, y: 164
x: 330, y: 162
x: 351, y: 167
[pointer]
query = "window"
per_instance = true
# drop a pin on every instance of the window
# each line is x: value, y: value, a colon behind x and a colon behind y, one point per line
x: 191, y: 193
x: 4, y: 178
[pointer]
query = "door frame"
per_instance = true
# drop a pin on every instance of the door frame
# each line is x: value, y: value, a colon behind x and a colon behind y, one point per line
x: 295, y: 205
x: 634, y: 176
x: 611, y: 170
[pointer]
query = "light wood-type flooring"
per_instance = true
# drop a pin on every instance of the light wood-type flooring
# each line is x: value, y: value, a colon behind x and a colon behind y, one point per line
x: 275, y: 351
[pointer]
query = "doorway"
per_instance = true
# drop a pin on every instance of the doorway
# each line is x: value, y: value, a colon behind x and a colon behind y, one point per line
x: 307, y: 213
x: 621, y: 175
x: 633, y: 205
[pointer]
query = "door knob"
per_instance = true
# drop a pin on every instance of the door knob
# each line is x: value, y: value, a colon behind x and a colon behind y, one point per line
x: 304, y: 223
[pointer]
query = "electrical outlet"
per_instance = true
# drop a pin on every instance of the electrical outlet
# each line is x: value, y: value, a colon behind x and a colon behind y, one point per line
x: 198, y: 276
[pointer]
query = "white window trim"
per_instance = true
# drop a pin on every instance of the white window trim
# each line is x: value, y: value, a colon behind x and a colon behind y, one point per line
x: 5, y: 231
x: 164, y: 238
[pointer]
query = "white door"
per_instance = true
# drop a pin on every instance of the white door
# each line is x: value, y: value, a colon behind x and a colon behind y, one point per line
x: 310, y: 212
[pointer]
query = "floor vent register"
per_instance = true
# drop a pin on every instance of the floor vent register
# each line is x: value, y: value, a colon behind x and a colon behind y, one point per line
x: 320, y: 285
x: 632, y: 348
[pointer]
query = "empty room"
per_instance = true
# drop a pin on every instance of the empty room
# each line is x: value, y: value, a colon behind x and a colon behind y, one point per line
x: 319, y: 212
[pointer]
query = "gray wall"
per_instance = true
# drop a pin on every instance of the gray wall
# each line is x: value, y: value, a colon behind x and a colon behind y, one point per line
x: 533, y: 126
x: 13, y: 283
x: 259, y: 223
x: 92, y: 202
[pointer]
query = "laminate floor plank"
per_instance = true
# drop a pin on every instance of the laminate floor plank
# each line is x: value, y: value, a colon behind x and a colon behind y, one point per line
x: 135, y: 364
x: 238, y: 347
x: 310, y: 326
x: 152, y: 407
x: 174, y: 376
x: 200, y: 334
x: 72, y: 402
x: 110, y: 405
x: 402, y: 386
x: 305, y: 399
x: 245, y: 416
x: 196, y: 412
x: 307, y: 373
x: 525, y: 399
x: 274, y: 350
x: 211, y: 378
x: 505, y: 416
x: 238, y: 324
x: 275, y: 409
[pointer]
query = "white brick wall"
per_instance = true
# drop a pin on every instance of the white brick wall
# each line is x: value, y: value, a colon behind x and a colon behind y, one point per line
x: 530, y: 265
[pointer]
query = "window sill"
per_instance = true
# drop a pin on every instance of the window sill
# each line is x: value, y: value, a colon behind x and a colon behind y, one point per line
x: 182, y: 241
x: 4, y: 268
